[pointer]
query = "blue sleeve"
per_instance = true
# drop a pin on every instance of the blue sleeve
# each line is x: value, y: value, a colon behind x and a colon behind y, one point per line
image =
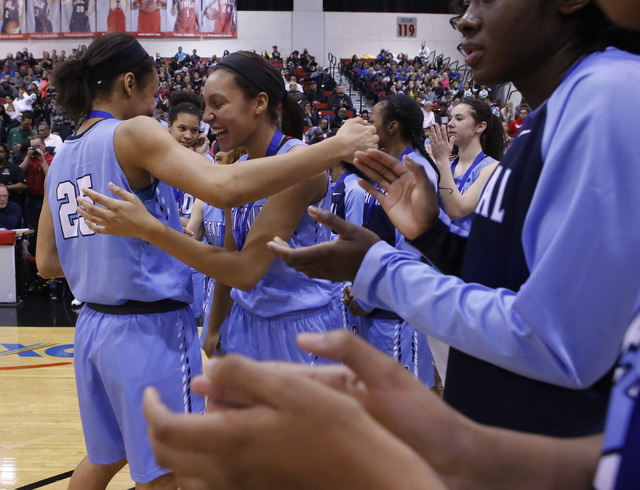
x: 353, y: 201
x: 582, y: 244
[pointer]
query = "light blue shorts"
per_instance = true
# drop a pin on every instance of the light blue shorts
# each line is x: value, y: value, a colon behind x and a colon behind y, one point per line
x: 404, y: 343
x: 274, y: 339
x: 209, y: 285
x: 116, y: 358
x: 198, y: 280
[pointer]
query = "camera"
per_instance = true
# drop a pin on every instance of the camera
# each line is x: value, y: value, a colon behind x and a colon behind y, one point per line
x: 34, y: 149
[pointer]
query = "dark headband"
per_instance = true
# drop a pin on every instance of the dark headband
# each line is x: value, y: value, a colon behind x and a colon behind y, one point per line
x: 255, y: 75
x: 116, y: 63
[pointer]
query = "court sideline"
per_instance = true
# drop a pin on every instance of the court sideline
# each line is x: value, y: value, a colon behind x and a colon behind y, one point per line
x: 40, y: 434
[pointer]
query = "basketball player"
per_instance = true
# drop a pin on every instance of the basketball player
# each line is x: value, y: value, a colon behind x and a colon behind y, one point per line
x: 271, y: 303
x: 186, y: 16
x: 137, y: 296
x: 40, y: 16
x: 224, y: 15
x: 10, y: 17
x: 116, y: 20
x: 80, y: 16
x: 149, y: 14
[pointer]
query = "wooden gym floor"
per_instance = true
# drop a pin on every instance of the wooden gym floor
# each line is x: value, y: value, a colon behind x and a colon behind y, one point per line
x: 40, y: 433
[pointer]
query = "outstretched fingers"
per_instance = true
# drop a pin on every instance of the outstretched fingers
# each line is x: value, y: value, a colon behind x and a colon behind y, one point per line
x: 379, y: 166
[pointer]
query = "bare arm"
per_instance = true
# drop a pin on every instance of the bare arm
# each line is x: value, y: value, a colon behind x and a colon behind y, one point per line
x: 196, y: 223
x: 20, y: 186
x: 456, y: 204
x: 463, y: 453
x: 47, y: 258
x: 221, y: 302
x: 156, y: 152
x: 279, y: 216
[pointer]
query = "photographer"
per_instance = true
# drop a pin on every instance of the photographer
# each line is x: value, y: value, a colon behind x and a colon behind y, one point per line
x: 36, y: 166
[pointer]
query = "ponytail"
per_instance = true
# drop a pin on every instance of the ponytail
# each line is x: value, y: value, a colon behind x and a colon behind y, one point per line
x: 292, y: 117
x: 73, y: 94
x: 492, y: 138
x: 79, y: 82
x: 407, y: 112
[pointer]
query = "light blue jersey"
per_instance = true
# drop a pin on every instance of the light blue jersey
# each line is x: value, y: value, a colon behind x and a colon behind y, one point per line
x: 265, y: 321
x: 121, y: 351
x: 461, y: 226
x: 213, y: 221
x: 106, y: 269
x: 282, y: 289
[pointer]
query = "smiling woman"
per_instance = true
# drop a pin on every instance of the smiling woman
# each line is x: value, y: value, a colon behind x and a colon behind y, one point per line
x: 272, y: 302
x: 137, y: 295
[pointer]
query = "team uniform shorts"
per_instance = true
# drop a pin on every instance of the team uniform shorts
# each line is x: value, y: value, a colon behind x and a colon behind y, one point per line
x: 116, y: 358
x: 274, y: 338
x: 208, y: 303
x: 404, y: 343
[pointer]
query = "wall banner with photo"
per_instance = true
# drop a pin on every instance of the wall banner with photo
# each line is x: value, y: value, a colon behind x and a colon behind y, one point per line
x: 43, y: 19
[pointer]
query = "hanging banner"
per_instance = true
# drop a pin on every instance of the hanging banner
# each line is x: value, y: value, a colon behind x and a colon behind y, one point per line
x: 78, y: 18
x: 183, y: 18
x: 43, y: 19
x: 149, y: 17
x: 218, y: 18
x: 12, y: 20
x: 113, y: 16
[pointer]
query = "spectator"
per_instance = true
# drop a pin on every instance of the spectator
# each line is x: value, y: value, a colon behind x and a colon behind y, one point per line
x: 61, y: 124
x: 296, y: 86
x: 516, y: 124
x: 424, y: 52
x: 429, y: 116
x: 10, y: 212
x: 275, y: 54
x: 6, y: 88
x: 19, y: 138
x: 339, y: 99
x: 326, y: 81
x: 319, y: 132
x: 310, y: 115
x: 314, y: 94
x: 51, y: 140
x: 507, y: 113
x: 180, y: 55
x: 339, y: 119
x: 12, y: 177
x: 36, y: 166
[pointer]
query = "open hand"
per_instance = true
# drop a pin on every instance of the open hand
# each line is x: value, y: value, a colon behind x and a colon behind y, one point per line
x: 337, y: 260
x: 125, y: 217
x: 410, y: 200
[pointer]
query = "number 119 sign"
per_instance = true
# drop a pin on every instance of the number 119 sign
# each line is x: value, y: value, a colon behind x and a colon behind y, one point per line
x: 407, y: 26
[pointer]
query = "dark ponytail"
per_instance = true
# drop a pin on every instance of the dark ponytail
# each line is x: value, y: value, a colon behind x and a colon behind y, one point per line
x: 408, y: 114
x: 79, y: 82
x: 492, y: 138
x: 253, y: 74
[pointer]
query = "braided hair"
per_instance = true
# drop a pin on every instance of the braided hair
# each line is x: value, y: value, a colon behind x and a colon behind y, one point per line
x: 407, y: 113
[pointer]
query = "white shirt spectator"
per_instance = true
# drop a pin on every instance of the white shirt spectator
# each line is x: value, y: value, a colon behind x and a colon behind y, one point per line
x: 54, y: 141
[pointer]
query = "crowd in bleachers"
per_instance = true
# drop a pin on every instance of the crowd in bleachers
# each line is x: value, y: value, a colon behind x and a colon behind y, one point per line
x: 32, y: 126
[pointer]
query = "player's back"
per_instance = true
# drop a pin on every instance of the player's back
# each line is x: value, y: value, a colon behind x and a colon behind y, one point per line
x: 107, y: 269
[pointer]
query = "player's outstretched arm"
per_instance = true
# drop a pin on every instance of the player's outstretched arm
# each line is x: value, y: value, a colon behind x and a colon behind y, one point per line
x: 463, y: 453
x: 225, y: 186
